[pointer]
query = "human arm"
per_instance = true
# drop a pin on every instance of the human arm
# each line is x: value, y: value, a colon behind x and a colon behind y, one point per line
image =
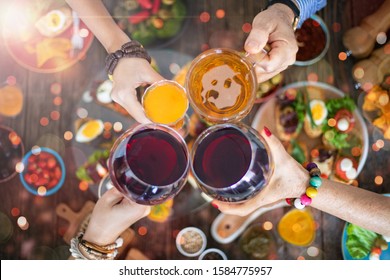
x: 130, y: 73
x: 112, y: 214
x: 290, y: 180
x: 273, y: 26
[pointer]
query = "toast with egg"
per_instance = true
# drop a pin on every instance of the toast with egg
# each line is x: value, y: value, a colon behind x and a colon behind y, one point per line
x: 289, y: 114
x: 315, y: 117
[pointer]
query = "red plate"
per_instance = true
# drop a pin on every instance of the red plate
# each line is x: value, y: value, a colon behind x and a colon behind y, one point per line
x: 21, y: 38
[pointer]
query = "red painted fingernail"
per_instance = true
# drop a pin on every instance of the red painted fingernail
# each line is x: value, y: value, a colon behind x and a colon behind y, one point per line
x: 214, y: 205
x: 267, y: 131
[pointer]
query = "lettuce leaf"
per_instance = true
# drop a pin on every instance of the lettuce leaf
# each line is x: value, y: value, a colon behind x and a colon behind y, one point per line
x: 359, y: 241
x: 334, y: 105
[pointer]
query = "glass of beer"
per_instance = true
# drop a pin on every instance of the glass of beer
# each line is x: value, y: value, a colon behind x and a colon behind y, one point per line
x: 231, y: 162
x: 149, y: 163
x: 221, y: 84
x: 166, y: 102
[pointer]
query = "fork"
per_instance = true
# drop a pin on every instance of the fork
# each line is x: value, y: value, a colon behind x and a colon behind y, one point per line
x: 77, y: 41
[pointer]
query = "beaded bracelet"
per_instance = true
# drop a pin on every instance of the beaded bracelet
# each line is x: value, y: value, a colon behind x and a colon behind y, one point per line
x: 129, y: 49
x: 315, y: 183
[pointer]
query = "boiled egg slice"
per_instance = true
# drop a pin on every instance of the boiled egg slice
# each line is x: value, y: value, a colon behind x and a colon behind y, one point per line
x: 89, y: 131
x: 55, y: 20
x: 318, y: 111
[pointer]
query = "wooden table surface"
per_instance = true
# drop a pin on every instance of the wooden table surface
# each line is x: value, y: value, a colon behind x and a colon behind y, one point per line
x: 43, y: 238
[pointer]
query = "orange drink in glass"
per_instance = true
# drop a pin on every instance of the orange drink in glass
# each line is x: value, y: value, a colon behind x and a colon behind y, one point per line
x: 166, y: 102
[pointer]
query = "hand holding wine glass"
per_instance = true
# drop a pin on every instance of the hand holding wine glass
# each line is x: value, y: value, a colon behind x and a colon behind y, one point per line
x: 112, y: 215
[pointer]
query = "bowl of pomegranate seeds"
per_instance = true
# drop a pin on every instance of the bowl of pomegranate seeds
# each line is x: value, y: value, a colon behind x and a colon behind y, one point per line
x: 44, y: 171
x: 313, y: 41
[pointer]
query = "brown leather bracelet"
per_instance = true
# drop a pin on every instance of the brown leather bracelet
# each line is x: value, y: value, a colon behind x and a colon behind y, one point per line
x: 130, y: 49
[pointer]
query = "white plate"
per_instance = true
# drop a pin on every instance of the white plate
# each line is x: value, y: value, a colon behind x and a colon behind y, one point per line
x: 265, y: 116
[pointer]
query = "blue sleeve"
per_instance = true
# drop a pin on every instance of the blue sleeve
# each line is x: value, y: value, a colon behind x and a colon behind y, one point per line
x: 308, y: 8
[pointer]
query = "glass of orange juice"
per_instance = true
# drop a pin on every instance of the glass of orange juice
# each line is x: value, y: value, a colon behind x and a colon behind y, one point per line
x: 222, y: 83
x: 166, y: 102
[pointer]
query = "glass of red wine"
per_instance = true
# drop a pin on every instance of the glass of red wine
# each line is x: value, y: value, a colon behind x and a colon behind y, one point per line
x: 149, y: 163
x: 231, y: 162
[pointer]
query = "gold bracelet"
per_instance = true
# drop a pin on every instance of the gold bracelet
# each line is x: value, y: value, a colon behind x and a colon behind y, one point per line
x: 91, y: 250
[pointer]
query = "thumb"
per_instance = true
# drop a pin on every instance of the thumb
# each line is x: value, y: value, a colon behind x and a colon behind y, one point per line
x: 128, y: 100
x: 256, y: 40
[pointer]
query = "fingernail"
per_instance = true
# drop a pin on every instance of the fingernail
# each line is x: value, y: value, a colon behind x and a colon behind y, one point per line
x: 214, y: 205
x: 267, y: 131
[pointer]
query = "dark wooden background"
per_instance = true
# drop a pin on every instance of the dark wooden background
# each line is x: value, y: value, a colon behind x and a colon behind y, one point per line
x: 43, y: 239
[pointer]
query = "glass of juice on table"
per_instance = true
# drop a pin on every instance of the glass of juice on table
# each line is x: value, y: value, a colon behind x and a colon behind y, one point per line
x: 221, y: 84
x: 166, y: 102
x: 149, y: 163
x: 231, y: 162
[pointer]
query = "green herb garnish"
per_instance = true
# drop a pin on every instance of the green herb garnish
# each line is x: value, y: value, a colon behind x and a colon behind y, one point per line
x: 336, y: 104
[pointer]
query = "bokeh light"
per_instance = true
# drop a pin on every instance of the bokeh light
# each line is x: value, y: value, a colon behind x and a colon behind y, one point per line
x: 312, y: 77
x: 107, y: 126
x: 332, y: 122
x: 42, y: 190
x: 11, y: 80
x: 174, y: 68
x: 44, y: 121
x: 68, y: 135
x: 358, y: 73
x: 36, y: 150
x: 142, y: 230
x: 118, y: 126
x: 22, y: 223
x: 55, y: 115
x: 15, y: 212
x: 19, y: 167
x: 220, y: 13
x: 313, y: 251
x: 343, y: 56
x: 378, y: 180
x: 83, y: 186
x: 204, y: 17
x: 268, y: 225
x: 381, y: 38
x: 380, y: 143
x: 57, y: 101
x: 56, y: 88
x: 246, y: 27
x: 84, y: 32
x: 82, y: 113
x: 336, y: 27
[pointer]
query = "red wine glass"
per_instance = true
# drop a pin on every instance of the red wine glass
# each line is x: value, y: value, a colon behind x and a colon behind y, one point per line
x: 149, y: 163
x: 231, y: 162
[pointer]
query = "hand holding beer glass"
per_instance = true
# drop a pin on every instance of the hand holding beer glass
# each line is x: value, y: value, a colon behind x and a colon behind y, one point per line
x: 221, y: 84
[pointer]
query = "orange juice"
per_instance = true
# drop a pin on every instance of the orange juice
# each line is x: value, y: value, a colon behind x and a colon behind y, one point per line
x: 165, y: 102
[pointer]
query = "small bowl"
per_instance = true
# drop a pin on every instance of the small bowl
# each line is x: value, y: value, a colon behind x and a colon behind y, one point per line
x: 326, y: 46
x: 51, y: 180
x: 213, y: 254
x: 11, y: 151
x: 191, y: 237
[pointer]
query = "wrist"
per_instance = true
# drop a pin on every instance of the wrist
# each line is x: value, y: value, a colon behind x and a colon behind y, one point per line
x: 117, y: 42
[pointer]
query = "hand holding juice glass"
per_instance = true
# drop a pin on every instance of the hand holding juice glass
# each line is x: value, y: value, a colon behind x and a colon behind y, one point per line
x: 166, y: 102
